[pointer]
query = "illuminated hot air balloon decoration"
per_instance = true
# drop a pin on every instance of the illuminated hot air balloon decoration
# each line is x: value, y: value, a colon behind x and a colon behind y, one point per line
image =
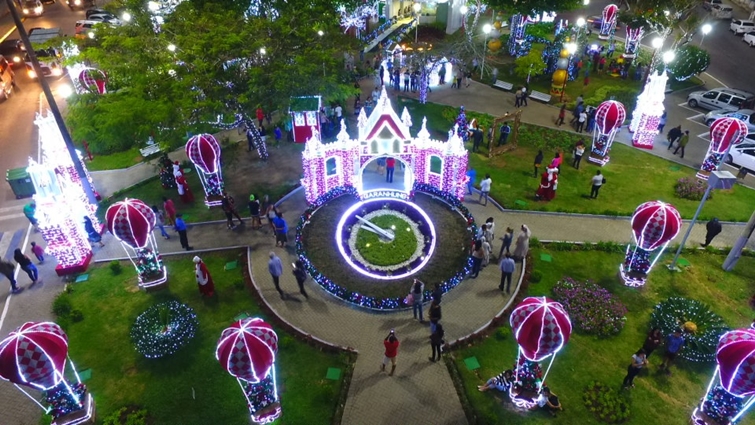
x: 724, y: 133
x: 247, y: 351
x: 608, y: 119
x: 204, y: 152
x: 608, y: 23
x: 93, y: 80
x: 654, y: 225
x: 132, y: 221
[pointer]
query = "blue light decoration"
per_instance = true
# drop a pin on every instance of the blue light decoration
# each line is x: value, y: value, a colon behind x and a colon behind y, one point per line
x: 361, y: 300
x: 654, y: 225
x: 247, y: 350
x: 702, y: 327
x: 461, y: 125
x: 163, y: 329
x: 731, y: 390
x: 608, y: 23
x: 516, y: 37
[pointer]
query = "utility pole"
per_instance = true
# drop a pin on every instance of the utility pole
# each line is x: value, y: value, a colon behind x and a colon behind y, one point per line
x: 51, y: 102
x: 736, y: 251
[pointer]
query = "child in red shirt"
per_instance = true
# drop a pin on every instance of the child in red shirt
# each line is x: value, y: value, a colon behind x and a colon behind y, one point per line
x: 391, y: 351
x: 38, y: 251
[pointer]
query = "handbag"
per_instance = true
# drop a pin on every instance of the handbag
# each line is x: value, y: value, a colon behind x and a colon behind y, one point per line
x: 409, y: 300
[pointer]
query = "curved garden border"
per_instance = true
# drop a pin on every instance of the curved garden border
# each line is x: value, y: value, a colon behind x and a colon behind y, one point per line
x: 375, y: 303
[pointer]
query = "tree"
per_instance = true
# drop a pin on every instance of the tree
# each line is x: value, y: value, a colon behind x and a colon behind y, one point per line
x: 533, y: 7
x: 531, y: 63
x: 689, y: 61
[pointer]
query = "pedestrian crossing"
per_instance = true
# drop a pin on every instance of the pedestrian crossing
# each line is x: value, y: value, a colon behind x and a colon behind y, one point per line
x: 9, y: 241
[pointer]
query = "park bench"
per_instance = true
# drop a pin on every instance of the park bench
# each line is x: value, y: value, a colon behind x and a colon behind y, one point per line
x: 150, y: 150
x: 503, y: 85
x: 540, y: 96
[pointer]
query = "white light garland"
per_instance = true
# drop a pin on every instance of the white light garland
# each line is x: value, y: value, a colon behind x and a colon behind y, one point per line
x: 379, y: 213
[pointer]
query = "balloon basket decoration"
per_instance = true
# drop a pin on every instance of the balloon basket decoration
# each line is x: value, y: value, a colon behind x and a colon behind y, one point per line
x: 724, y: 133
x: 654, y: 225
x: 608, y: 119
x: 132, y: 221
x: 632, y: 42
x: 93, y: 80
x: 541, y: 327
x: 731, y: 390
x: 34, y: 356
x: 247, y: 350
x: 203, y: 151
x: 608, y: 23
x: 646, y: 117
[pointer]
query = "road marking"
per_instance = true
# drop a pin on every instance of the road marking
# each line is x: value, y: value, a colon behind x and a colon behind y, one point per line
x: 11, y: 216
x: 716, y: 79
x: 704, y: 136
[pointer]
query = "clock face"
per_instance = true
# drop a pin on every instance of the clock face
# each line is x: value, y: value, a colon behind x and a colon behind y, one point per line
x: 386, y: 238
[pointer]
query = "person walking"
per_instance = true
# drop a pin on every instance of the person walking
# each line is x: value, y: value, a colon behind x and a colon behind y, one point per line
x: 652, y: 341
x: 437, y: 293
x: 275, y: 267
x: 525, y: 94
x: 538, y: 161
x: 579, y: 150
x: 180, y: 227
x: 228, y: 205
x: 478, y: 255
x: 435, y: 314
x: 477, y: 136
x: 26, y: 265
x: 160, y: 221
x: 507, y: 238
x: 254, y: 211
x: 507, y: 267
x: 673, y: 135
x: 639, y: 360
x: 518, y: 98
x: 170, y: 210
x: 390, y: 166
x: 92, y: 233
x: 561, y: 115
x: 7, y: 269
x: 472, y: 174
x: 391, y: 344
x: 712, y: 229
x: 662, y: 122
x: 581, y: 121
x: 436, y: 341
x: 442, y: 74
x: 675, y: 343
x: 485, y: 189
x: 301, y: 276
x: 204, y: 280
x: 281, y: 230
x: 505, y: 131
x: 38, y: 251
x: 30, y: 212
x: 417, y: 291
x: 682, y: 143
x: 597, y: 181
x: 260, y: 115
x: 522, y: 245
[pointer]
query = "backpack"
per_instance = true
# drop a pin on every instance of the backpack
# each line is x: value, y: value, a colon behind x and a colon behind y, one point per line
x: 604, y: 180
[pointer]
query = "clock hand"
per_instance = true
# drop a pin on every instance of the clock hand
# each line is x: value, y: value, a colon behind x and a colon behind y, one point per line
x: 375, y: 228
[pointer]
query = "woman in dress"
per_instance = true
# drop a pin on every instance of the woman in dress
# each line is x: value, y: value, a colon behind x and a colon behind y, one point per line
x: 204, y: 280
x: 522, y: 243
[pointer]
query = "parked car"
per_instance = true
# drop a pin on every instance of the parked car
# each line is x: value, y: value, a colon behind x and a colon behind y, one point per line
x: 708, y: 4
x: 83, y: 4
x: 746, y: 115
x: 82, y: 28
x: 743, y: 154
x: 721, y: 98
x: 94, y: 11
x: 749, y: 38
x: 721, y: 11
x: 741, y: 26
x: 104, y: 17
x: 12, y: 49
x: 32, y: 8
x: 7, y: 79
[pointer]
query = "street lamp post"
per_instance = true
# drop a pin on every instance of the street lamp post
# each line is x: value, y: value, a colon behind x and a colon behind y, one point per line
x: 657, y: 43
x: 706, y: 29
x: 486, y: 29
x: 571, y: 48
x: 580, y: 23
x: 321, y: 33
x: 463, y: 10
x: 417, y: 7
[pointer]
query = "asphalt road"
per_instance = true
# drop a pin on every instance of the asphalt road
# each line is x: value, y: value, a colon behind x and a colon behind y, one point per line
x: 18, y: 134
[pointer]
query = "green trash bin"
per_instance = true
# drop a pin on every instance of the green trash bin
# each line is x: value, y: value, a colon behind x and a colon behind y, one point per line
x: 20, y: 182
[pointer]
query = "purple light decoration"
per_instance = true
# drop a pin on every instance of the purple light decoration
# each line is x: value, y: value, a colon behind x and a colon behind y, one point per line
x: 350, y: 262
x: 725, y: 132
x: 608, y: 120
x: 203, y: 150
x: 654, y: 225
x: 608, y: 23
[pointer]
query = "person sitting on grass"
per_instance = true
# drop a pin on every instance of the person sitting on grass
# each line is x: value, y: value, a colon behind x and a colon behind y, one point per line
x: 502, y: 382
x: 550, y: 401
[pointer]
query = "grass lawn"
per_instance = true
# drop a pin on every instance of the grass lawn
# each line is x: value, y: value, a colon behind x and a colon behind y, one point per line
x: 189, y: 387
x: 114, y: 161
x: 657, y: 398
x: 633, y: 176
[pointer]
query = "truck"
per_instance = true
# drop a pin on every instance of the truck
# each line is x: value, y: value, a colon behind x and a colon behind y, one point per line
x: 49, y: 58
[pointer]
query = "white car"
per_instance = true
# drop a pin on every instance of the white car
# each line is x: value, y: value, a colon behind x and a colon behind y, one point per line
x: 746, y: 115
x: 740, y: 26
x: 743, y: 154
x: 749, y: 38
x: 104, y: 17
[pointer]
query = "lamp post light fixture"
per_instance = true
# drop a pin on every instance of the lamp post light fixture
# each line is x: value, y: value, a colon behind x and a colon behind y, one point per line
x: 668, y: 57
x: 486, y: 29
x: 126, y: 17
x: 580, y: 23
x: 172, y: 47
x: 586, y: 2
x: 705, y: 29
x: 263, y: 51
x: 657, y: 43
x: 320, y: 33
x: 463, y: 10
x: 417, y: 7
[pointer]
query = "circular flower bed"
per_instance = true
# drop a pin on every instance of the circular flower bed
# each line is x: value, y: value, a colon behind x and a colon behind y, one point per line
x: 163, y: 329
x: 592, y: 308
x: 702, y: 328
x: 376, y: 256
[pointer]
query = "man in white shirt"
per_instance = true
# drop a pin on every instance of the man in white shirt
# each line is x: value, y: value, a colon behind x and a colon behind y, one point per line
x: 485, y: 189
x: 597, y: 182
x: 339, y: 112
x: 581, y: 121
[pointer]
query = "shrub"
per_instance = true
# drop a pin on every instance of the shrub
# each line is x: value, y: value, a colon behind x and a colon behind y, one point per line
x: 115, y: 267
x: 61, y: 307
x: 164, y: 328
x: 606, y: 403
x: 536, y: 276
x: 77, y: 315
x: 691, y: 188
x: 702, y: 327
x: 626, y: 95
x: 592, y: 308
x: 690, y: 61
x: 127, y: 416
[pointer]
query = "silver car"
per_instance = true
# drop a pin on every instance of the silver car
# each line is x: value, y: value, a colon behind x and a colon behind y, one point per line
x: 746, y: 115
x: 742, y: 155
